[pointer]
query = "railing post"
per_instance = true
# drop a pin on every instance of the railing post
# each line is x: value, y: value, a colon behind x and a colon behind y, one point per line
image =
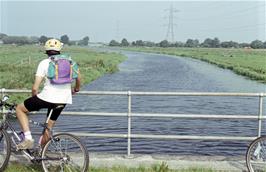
x: 260, y: 115
x: 2, y: 92
x: 129, y: 125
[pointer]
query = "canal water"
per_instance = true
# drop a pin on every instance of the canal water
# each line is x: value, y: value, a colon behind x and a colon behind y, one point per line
x: 153, y: 73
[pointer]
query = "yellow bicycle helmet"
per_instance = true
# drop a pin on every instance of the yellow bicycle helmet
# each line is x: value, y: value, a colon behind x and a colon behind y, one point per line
x: 53, y: 44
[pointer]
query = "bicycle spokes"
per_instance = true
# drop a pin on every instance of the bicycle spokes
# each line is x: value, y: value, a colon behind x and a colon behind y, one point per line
x: 69, y: 152
x: 5, y: 149
x: 256, y: 156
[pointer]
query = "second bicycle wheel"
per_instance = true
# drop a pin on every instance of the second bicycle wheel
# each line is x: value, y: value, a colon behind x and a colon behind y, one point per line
x: 256, y: 155
x: 5, y: 149
x: 65, y: 153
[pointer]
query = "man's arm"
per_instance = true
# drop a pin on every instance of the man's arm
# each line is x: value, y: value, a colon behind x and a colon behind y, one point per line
x: 36, y: 85
x: 78, y: 83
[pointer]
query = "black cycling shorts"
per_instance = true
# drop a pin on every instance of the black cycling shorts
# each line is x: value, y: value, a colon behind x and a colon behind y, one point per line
x: 35, y: 104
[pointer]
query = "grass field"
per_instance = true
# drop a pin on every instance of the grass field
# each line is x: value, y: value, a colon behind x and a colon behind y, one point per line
x: 19, y: 63
x: 250, y: 63
x: 16, y: 167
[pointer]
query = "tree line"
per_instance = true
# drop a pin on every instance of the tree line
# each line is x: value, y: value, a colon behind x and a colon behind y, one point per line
x: 207, y: 43
x: 22, y: 40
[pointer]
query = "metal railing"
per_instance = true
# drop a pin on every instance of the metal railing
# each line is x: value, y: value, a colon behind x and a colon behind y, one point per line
x: 129, y: 115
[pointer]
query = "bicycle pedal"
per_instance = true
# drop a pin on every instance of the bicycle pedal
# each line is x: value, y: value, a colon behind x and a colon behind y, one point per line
x: 36, y: 161
x: 33, y: 151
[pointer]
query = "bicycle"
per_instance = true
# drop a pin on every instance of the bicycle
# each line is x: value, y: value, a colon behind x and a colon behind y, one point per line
x: 63, y: 151
x: 256, y: 155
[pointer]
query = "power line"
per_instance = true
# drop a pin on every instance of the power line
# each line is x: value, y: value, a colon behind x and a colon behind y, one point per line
x: 224, y: 14
x: 239, y: 28
x: 224, y: 19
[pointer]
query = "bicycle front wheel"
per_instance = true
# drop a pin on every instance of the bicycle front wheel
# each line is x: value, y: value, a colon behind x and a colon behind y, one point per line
x: 5, y: 149
x: 65, y: 153
x: 256, y: 155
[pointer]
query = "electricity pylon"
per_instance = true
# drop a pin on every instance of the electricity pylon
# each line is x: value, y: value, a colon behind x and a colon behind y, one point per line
x: 170, y: 29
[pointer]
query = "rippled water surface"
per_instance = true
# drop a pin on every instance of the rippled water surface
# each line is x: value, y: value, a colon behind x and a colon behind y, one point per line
x: 150, y: 72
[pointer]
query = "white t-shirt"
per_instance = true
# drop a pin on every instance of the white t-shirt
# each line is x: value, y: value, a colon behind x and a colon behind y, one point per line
x: 53, y: 93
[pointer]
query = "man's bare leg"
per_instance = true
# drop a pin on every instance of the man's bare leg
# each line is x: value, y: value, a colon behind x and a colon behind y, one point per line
x: 21, y: 112
x: 46, y: 136
x: 28, y: 142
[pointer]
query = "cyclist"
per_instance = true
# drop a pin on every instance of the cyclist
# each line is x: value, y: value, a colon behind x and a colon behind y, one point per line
x: 52, y: 96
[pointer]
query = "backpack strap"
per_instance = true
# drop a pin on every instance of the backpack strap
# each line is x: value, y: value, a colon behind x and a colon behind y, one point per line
x: 71, y: 70
x: 56, y: 70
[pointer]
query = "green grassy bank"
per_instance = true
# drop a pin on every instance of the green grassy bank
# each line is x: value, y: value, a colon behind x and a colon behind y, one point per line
x: 16, y: 167
x: 19, y: 63
x: 250, y: 63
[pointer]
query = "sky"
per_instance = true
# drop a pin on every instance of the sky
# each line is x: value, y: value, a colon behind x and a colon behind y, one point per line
x: 102, y: 21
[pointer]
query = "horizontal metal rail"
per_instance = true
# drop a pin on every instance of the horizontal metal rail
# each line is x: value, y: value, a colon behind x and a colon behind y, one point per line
x: 169, y: 93
x: 129, y: 115
x: 149, y: 136
x: 161, y: 115
x: 125, y: 93
x: 176, y: 137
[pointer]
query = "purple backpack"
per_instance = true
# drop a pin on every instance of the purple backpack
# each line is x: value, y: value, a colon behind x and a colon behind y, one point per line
x: 62, y: 70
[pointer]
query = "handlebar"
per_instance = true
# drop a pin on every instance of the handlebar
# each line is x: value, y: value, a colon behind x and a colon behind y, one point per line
x: 8, y: 105
x: 5, y: 104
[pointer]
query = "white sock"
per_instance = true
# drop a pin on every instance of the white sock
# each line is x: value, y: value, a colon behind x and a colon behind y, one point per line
x: 27, y: 135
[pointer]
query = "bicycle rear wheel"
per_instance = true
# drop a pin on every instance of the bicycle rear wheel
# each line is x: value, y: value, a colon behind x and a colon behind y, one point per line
x: 256, y: 155
x: 65, y: 153
x: 5, y: 149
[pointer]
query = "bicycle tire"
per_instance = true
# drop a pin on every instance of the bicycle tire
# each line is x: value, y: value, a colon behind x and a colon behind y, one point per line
x: 5, y: 149
x: 256, y: 155
x: 54, y: 149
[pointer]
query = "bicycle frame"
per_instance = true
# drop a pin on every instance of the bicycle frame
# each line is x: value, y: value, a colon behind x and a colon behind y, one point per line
x: 41, y: 153
x: 5, y: 125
